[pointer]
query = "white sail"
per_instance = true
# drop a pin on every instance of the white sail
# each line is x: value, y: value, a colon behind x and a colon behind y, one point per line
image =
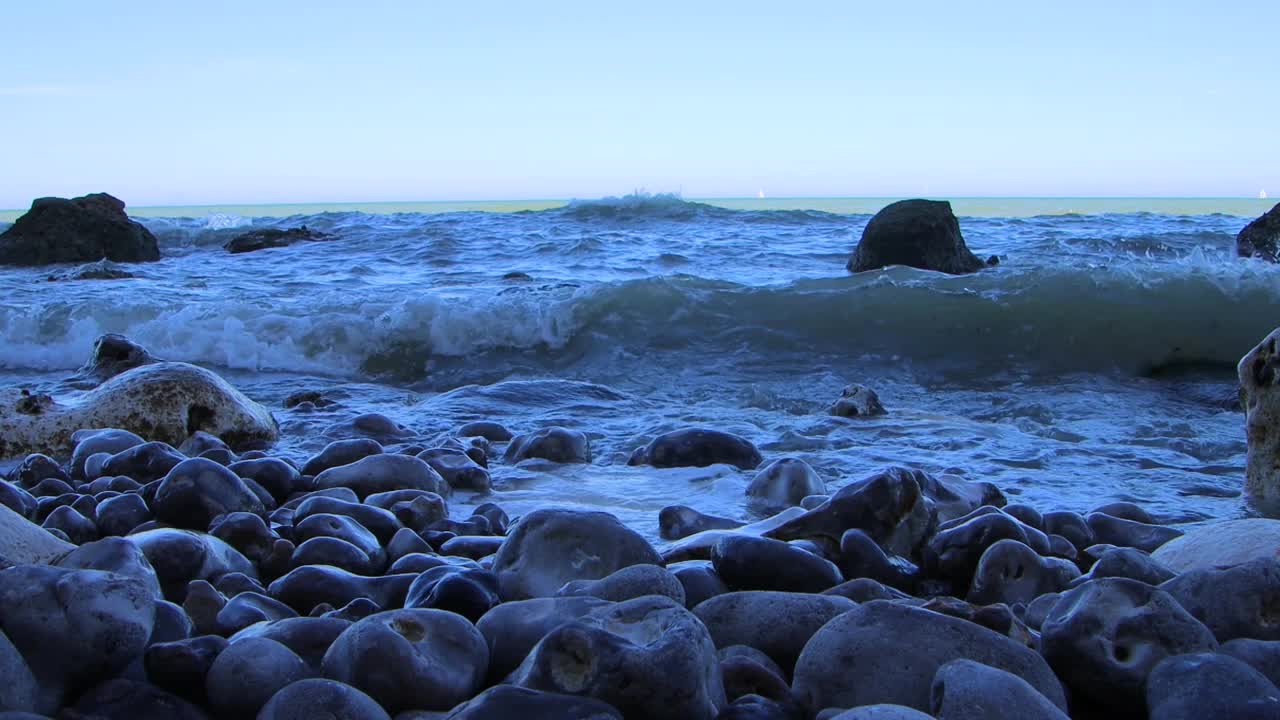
x: 760, y: 194
x: 1262, y: 194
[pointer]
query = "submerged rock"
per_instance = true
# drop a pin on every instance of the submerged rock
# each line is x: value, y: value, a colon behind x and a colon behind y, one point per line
x: 165, y: 401
x: 785, y: 482
x: 680, y: 521
x: 263, y: 238
x: 697, y: 447
x: 556, y: 444
x: 1261, y: 237
x: 83, y: 229
x: 918, y: 233
x: 857, y: 401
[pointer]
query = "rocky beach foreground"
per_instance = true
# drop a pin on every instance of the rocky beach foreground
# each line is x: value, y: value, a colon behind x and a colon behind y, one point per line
x: 161, y: 558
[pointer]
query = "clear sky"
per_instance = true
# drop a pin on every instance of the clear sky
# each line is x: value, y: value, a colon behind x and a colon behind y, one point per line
x: 194, y: 103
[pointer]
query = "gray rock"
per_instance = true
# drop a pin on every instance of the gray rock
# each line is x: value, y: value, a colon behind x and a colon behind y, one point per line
x: 457, y: 468
x: 556, y: 444
x: 115, y: 555
x: 508, y: 701
x: 629, y: 583
x: 1222, y: 543
x: 967, y: 690
x: 23, y: 542
x: 76, y: 527
x: 699, y: 580
x: 680, y: 521
x: 197, y: 490
x: 310, y: 585
x: 308, y: 637
x: 857, y: 401
x: 316, y: 698
x: 74, y: 627
x: 83, y: 229
x: 917, y: 233
x: 20, y: 690
x: 867, y: 642
x: 512, y: 629
x: 119, y: 515
x: 752, y: 563
x: 648, y: 657
x: 1104, y: 637
x: 1261, y: 237
x: 264, y: 238
x: 775, y: 623
x: 411, y: 659
x: 339, y: 453
x: 1210, y: 685
x: 180, y: 556
x: 882, y: 711
x: 248, y: 673
x: 1261, y: 655
x: 888, y: 506
x: 697, y: 447
x: 1131, y: 563
x: 1259, y: 373
x: 1129, y: 533
x: 1010, y: 572
x: 1234, y: 602
x: 383, y: 473
x: 785, y: 482
x: 124, y: 698
x: 550, y: 547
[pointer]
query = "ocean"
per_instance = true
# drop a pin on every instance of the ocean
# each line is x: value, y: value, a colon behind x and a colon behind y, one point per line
x: 1095, y: 363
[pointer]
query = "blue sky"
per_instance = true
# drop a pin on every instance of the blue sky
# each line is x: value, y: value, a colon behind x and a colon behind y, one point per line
x: 178, y: 103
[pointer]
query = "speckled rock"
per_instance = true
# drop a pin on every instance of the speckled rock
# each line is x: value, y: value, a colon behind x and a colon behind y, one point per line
x: 162, y: 401
x: 1259, y: 372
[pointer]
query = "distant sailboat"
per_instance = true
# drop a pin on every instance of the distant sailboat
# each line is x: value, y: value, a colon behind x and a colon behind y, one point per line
x: 760, y: 194
x: 1262, y: 194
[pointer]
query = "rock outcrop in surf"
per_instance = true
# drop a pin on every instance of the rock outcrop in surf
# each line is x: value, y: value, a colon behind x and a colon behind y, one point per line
x: 921, y: 234
x: 83, y: 229
x: 264, y: 238
x: 1261, y: 238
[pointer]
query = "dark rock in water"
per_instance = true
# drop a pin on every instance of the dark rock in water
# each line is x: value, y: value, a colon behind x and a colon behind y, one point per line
x: 697, y: 447
x: 248, y: 672
x: 315, y: 698
x: 113, y: 354
x: 1125, y: 511
x: 887, y: 653
x: 1235, y: 602
x: 775, y: 623
x: 629, y: 583
x: 180, y: 667
x: 74, y: 627
x: 83, y: 229
x: 457, y: 468
x: 1210, y: 685
x: 180, y: 556
x: 314, y: 398
x: 888, y: 506
x: 753, y: 563
x: 1129, y: 533
x: 263, y: 238
x: 862, y: 557
x: 857, y: 401
x: 497, y: 517
x: 680, y: 521
x: 699, y: 580
x: 508, y: 701
x: 1011, y: 572
x: 785, y: 482
x: 383, y: 473
x: 308, y: 637
x: 197, y: 490
x: 469, y: 592
x: 411, y: 659
x: 122, y: 698
x: 1261, y: 655
x: 1104, y: 637
x: 556, y: 444
x: 78, y: 528
x: 917, y: 233
x: 100, y: 270
x: 550, y: 547
x: 967, y: 690
x: 341, y: 452
x: 491, y: 431
x: 648, y: 657
x: 512, y: 629
x: 954, y: 497
x: 310, y: 585
x: 1261, y: 237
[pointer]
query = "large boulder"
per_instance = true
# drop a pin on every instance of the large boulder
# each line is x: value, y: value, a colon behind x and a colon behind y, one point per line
x: 1261, y: 238
x: 918, y: 233
x: 1210, y: 685
x: 1230, y: 542
x: 23, y: 542
x: 166, y: 401
x: 83, y: 229
x: 550, y: 547
x: 1259, y: 373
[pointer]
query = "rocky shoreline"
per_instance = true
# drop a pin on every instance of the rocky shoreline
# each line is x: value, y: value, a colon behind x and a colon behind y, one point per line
x: 172, y: 566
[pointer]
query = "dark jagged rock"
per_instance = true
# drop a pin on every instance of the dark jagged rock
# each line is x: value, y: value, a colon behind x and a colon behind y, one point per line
x: 1261, y: 237
x: 113, y: 354
x: 857, y: 401
x: 263, y: 238
x: 918, y: 233
x: 697, y: 447
x: 83, y: 229
x: 888, y: 506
